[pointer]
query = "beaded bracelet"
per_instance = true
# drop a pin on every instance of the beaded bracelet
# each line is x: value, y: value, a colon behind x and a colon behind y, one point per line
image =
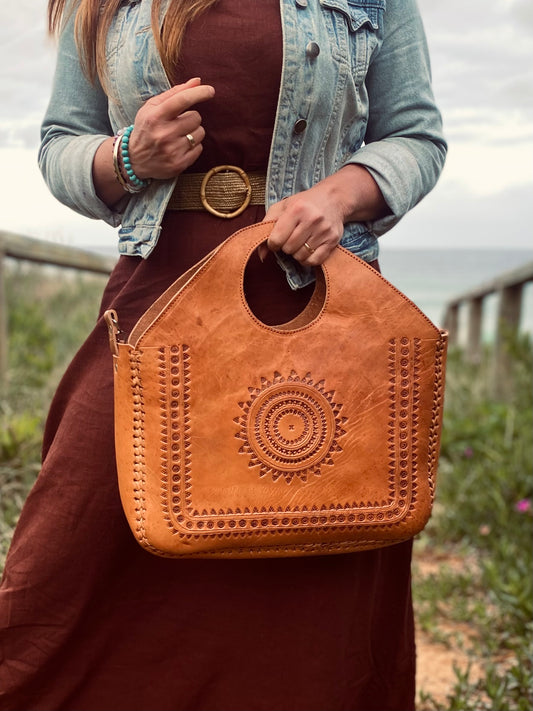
x: 130, y: 182
x: 137, y: 182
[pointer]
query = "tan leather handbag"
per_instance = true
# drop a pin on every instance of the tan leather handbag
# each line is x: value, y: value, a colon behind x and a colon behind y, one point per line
x: 238, y: 439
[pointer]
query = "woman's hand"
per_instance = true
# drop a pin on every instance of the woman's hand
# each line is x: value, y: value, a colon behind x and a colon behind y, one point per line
x: 158, y: 147
x: 310, y: 224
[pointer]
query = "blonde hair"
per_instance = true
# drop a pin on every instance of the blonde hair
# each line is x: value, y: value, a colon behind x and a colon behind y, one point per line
x: 93, y: 19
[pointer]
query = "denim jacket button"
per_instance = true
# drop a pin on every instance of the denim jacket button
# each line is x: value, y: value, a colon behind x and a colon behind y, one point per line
x: 312, y: 50
x: 301, y: 3
x: 300, y: 126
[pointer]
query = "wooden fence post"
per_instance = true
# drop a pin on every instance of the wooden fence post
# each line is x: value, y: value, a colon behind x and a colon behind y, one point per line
x: 475, y: 318
x: 508, y: 321
x: 451, y: 322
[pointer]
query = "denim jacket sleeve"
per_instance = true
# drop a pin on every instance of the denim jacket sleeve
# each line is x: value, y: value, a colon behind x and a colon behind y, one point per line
x: 404, y: 148
x: 75, y: 124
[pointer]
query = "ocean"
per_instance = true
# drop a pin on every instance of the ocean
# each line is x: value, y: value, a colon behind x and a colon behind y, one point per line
x: 431, y: 277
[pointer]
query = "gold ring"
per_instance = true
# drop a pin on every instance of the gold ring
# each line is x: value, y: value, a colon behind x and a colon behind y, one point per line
x: 309, y: 248
x: 191, y: 140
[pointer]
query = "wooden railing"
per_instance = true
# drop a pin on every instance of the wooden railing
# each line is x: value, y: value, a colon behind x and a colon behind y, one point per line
x: 509, y: 289
x: 35, y: 250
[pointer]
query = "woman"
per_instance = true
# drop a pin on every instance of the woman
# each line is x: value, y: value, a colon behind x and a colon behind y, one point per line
x: 328, y: 106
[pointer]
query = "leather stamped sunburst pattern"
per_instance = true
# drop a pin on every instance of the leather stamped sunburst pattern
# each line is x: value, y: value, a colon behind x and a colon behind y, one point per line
x: 290, y: 427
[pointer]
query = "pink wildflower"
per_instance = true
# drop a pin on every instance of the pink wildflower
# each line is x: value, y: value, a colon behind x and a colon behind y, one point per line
x: 523, y: 506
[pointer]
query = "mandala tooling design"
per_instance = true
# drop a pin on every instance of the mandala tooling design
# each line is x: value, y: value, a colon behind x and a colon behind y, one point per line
x: 290, y: 427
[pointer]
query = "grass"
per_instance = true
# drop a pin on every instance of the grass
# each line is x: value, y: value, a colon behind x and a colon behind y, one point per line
x: 50, y: 312
x: 472, y: 574
x: 483, y: 525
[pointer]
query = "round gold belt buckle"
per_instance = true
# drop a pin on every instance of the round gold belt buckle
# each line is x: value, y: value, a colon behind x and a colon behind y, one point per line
x: 219, y: 169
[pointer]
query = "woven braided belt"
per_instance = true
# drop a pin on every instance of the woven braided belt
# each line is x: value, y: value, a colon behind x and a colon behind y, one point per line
x: 224, y: 191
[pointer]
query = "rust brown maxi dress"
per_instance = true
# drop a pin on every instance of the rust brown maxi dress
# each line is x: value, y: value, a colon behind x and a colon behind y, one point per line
x: 89, y: 621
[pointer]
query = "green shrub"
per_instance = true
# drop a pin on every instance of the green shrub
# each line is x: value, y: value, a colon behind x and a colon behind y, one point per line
x: 484, y: 507
x: 50, y: 312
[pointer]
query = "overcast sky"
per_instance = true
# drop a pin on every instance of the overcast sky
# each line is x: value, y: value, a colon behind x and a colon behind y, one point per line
x: 482, y: 61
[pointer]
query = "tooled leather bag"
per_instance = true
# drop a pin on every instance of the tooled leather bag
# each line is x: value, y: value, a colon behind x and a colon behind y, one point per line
x: 239, y: 439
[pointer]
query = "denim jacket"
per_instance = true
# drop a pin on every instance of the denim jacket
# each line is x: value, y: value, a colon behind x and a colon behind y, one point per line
x: 355, y: 88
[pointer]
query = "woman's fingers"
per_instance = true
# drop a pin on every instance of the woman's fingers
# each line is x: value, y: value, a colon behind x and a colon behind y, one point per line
x: 307, y: 226
x: 167, y: 135
x: 180, y: 98
x: 193, y: 81
x: 189, y: 122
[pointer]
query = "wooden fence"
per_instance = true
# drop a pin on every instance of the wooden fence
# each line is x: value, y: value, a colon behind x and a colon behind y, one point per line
x: 35, y: 250
x: 509, y: 290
